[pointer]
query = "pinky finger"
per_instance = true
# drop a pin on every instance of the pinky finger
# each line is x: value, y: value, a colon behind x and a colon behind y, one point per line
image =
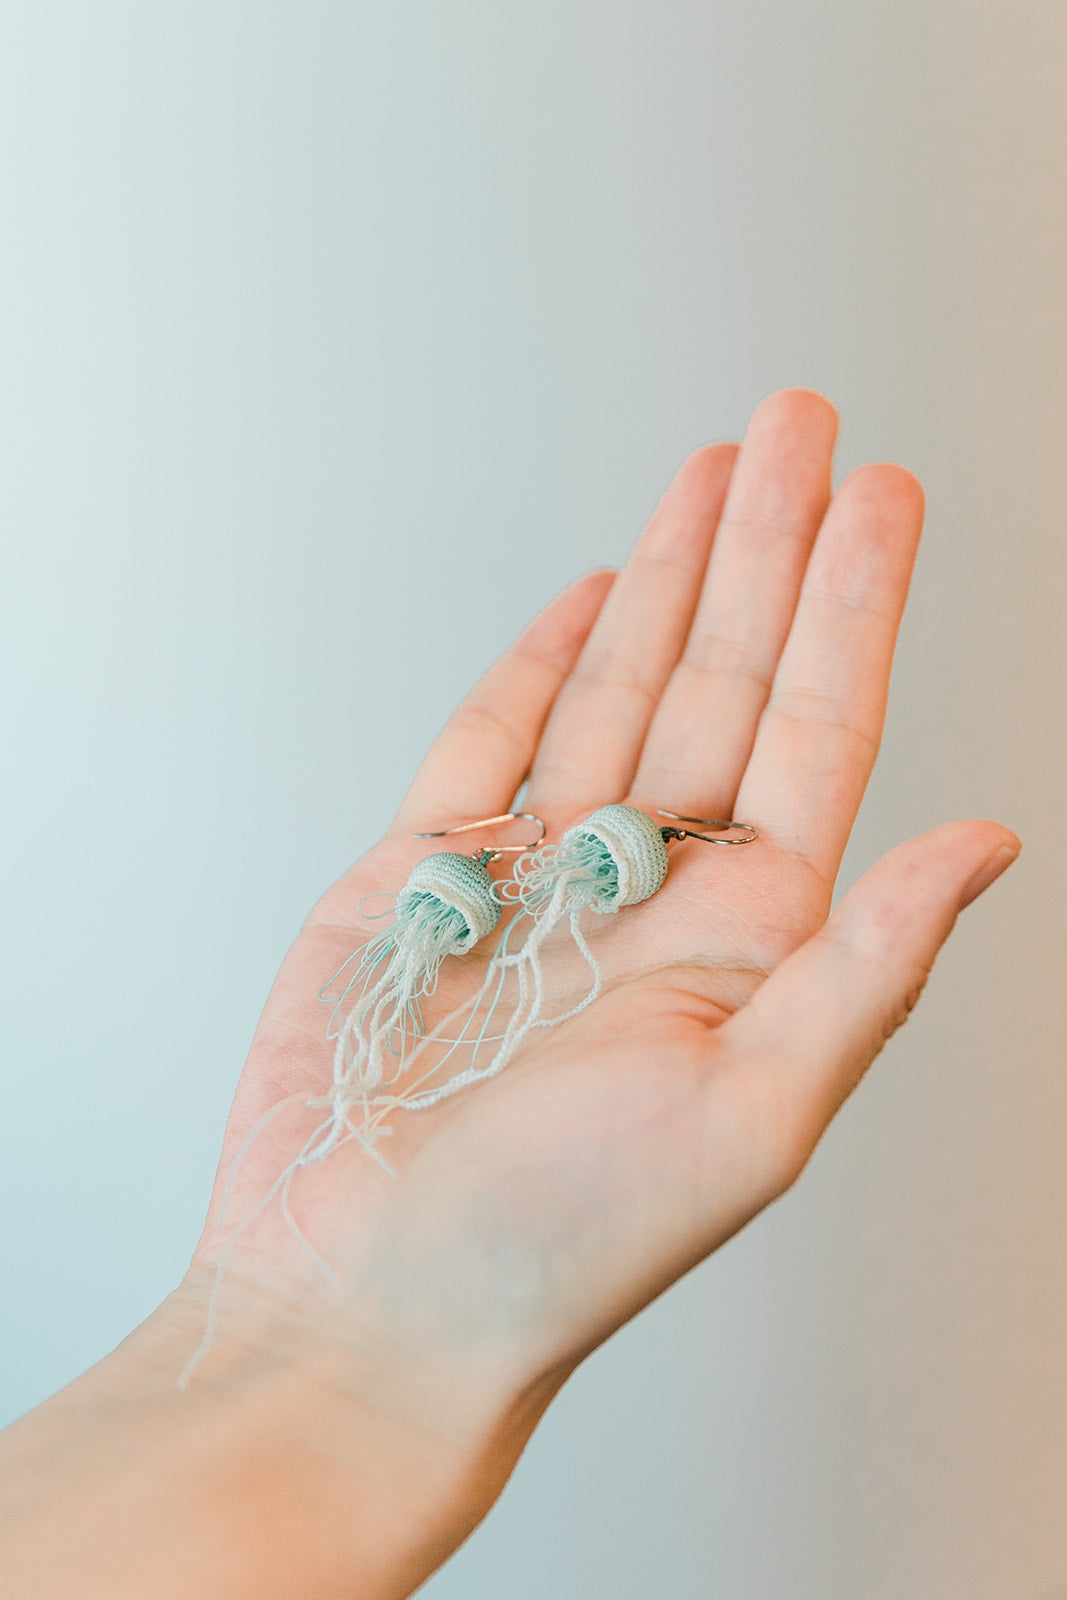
x: 478, y: 761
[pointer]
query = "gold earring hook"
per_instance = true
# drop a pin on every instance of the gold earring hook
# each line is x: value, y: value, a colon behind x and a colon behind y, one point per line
x: 493, y: 852
x: 706, y: 822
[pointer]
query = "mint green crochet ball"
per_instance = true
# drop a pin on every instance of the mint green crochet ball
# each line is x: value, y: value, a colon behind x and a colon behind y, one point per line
x: 462, y: 885
x: 633, y: 844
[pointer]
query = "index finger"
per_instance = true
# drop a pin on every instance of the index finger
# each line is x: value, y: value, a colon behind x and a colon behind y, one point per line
x: 477, y: 762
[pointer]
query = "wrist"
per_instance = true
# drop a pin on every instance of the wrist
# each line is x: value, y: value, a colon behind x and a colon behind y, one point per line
x: 290, y: 1463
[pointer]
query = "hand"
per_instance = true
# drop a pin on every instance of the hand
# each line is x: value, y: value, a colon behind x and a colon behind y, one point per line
x: 534, y: 1214
x: 618, y: 1150
x: 737, y: 666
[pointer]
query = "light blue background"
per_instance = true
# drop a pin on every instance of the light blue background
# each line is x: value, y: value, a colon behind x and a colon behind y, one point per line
x: 335, y: 338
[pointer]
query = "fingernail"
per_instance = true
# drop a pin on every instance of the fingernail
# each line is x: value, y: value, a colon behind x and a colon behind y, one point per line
x: 988, y: 873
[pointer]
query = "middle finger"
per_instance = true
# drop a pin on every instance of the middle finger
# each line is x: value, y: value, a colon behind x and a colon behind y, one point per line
x: 701, y: 737
x: 596, y: 728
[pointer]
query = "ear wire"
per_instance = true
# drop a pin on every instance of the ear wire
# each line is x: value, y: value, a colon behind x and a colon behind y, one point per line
x: 494, y: 852
x: 751, y: 833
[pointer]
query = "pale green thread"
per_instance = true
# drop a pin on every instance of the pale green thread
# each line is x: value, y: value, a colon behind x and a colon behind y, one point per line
x: 448, y: 903
x: 617, y: 857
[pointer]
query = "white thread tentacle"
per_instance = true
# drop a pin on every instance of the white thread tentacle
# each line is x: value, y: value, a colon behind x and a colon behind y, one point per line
x: 617, y: 857
x: 447, y: 905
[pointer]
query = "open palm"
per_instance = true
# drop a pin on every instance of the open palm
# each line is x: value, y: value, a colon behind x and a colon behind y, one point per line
x: 738, y: 665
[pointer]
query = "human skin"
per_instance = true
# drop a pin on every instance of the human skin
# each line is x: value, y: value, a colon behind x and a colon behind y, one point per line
x: 343, y: 1434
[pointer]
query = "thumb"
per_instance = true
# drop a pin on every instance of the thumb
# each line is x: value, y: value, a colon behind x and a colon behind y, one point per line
x: 812, y: 1030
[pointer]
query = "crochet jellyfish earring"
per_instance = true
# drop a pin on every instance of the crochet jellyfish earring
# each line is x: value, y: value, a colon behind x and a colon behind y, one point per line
x: 617, y: 857
x: 449, y: 903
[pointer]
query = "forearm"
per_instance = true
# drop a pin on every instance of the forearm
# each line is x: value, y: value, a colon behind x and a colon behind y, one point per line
x: 272, y: 1474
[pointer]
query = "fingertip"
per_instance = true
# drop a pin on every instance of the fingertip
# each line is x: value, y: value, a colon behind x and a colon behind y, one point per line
x: 561, y: 626
x: 683, y: 524
x: 1006, y: 835
x: 1005, y: 851
x: 710, y: 455
x: 886, y: 486
x: 797, y: 409
x: 598, y: 580
x: 705, y: 470
x: 916, y: 891
x: 592, y: 589
x: 970, y: 837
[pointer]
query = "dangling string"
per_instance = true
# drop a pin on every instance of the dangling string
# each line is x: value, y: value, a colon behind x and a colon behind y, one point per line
x: 617, y: 857
x: 448, y: 904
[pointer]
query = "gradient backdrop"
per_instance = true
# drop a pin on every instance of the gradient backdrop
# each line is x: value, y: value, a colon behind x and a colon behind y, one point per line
x: 335, y: 338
